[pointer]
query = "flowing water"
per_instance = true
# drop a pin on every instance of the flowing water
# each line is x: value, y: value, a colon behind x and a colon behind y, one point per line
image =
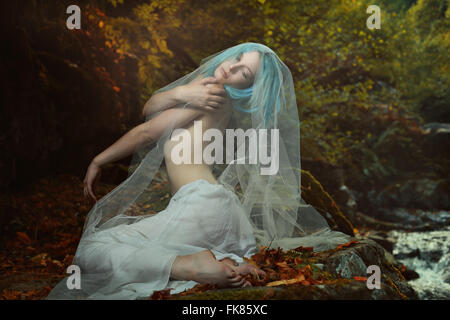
x: 427, y: 253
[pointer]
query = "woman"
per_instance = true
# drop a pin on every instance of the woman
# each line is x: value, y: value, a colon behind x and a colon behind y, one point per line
x: 206, y: 230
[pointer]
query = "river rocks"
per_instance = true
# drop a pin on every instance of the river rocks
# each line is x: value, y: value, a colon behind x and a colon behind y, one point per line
x: 437, y: 138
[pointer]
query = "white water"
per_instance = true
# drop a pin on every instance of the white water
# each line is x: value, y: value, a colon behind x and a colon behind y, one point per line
x: 427, y: 253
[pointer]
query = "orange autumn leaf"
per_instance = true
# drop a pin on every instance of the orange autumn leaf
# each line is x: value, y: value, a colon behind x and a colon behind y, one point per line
x: 301, y: 277
x: 282, y: 264
x: 23, y: 237
x: 161, y: 294
x: 284, y: 282
x: 360, y: 278
x: 347, y: 244
x: 304, y: 249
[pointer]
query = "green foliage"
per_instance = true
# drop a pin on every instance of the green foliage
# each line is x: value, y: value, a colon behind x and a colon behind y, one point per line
x: 352, y: 83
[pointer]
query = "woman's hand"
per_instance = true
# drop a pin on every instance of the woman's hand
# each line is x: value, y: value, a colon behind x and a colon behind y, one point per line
x: 207, y: 94
x: 91, y: 179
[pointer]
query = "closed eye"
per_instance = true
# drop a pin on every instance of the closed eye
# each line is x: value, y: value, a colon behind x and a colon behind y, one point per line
x: 238, y: 58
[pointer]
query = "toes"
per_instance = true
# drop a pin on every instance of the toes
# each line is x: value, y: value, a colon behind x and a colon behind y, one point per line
x: 238, y: 283
x: 236, y: 279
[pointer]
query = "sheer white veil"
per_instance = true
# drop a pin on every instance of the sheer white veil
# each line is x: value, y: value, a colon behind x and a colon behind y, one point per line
x: 272, y: 202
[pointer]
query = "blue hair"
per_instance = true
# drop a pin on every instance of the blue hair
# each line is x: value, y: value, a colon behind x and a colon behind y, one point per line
x: 264, y: 94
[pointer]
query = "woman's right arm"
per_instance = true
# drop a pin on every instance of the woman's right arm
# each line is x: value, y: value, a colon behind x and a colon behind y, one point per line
x: 206, y: 94
x: 162, y: 101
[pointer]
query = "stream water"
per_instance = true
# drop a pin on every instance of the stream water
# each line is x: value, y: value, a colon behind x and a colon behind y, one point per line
x: 427, y: 253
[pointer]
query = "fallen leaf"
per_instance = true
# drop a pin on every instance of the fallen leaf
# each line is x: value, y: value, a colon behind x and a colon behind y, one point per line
x: 304, y: 249
x: 23, y: 237
x: 360, y: 278
x: 347, y: 244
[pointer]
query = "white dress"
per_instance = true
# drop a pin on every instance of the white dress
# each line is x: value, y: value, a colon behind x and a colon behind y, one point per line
x: 135, y: 260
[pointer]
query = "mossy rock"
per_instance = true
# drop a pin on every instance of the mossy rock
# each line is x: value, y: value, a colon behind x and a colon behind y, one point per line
x: 341, y: 289
x: 314, y: 194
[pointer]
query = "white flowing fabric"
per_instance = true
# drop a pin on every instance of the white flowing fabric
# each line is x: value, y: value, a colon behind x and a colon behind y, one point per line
x: 136, y: 259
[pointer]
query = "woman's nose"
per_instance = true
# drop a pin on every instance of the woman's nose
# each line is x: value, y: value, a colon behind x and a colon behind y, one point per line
x: 232, y: 67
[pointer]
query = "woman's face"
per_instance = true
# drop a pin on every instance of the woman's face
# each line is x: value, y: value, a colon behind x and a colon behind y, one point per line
x: 240, y: 72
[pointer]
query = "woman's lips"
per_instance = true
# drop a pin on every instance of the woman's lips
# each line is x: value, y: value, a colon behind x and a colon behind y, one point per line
x: 225, y: 75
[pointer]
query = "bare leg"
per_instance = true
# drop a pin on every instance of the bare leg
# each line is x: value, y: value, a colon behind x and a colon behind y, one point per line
x: 203, y: 267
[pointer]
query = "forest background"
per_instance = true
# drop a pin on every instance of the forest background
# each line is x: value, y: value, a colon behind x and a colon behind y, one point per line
x: 373, y: 104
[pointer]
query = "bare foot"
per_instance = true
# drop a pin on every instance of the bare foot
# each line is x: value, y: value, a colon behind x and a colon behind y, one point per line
x: 247, y: 268
x: 244, y: 269
x: 203, y: 267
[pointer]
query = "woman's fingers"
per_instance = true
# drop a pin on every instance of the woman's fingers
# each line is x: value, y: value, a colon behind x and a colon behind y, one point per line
x: 217, y: 90
x: 213, y: 104
x: 216, y: 103
x: 92, y: 178
x: 85, y: 188
x: 208, y: 80
x: 217, y: 99
x: 91, y: 193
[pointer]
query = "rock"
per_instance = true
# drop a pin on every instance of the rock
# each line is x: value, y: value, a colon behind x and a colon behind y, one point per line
x: 414, y: 193
x: 354, y: 261
x: 437, y: 136
x: 343, y: 289
x: 405, y: 219
x: 383, y: 239
x: 410, y: 274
